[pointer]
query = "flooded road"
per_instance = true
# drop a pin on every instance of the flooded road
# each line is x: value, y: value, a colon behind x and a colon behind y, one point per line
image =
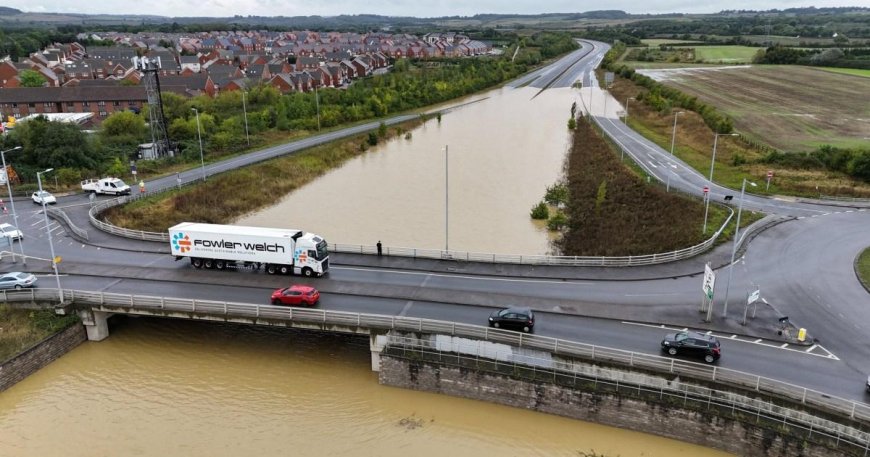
x: 502, y: 153
x: 164, y: 387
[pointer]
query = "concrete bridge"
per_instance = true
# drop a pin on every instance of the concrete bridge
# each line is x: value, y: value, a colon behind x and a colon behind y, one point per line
x: 509, y: 363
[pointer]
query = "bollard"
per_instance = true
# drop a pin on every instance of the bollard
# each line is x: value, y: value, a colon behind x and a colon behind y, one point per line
x: 802, y: 335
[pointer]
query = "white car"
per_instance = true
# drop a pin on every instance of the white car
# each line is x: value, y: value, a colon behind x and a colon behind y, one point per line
x: 11, y: 232
x: 40, y: 197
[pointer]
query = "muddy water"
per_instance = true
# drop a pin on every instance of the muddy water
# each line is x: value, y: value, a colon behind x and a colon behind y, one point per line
x: 502, y: 153
x: 163, y: 388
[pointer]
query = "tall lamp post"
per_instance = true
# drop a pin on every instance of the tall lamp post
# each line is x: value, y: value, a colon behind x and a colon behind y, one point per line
x: 12, y: 204
x: 734, y: 248
x: 674, y: 134
x: 245, y: 111
x: 48, y: 232
x: 446, y: 203
x: 626, y: 108
x: 710, y: 181
x: 199, y: 134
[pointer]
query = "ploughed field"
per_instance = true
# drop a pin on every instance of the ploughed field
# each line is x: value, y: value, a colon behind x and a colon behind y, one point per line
x: 789, y: 107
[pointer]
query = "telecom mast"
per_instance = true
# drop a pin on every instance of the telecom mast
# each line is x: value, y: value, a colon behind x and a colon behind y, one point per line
x: 161, y: 146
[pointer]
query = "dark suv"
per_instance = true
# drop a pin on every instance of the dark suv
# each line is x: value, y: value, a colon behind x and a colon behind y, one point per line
x: 513, y: 318
x: 694, y: 344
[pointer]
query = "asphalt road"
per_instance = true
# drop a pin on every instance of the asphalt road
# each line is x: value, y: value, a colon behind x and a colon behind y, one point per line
x: 802, y: 266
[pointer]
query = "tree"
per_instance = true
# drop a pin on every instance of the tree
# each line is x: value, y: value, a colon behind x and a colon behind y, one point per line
x: 123, y: 128
x: 31, y: 78
x: 55, y: 145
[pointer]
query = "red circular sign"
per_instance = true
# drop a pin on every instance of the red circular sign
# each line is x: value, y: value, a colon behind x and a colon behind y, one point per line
x: 706, y: 189
x: 770, y: 174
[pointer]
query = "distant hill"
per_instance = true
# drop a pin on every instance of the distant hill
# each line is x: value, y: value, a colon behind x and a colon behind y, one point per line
x: 8, y: 11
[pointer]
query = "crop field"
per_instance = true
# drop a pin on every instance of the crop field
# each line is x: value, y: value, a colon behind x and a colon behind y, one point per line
x: 849, y: 71
x: 661, y: 41
x: 725, y: 54
x: 789, y: 107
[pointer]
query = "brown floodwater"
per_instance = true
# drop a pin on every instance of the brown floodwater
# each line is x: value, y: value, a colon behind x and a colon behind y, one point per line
x: 171, y: 387
x: 502, y: 153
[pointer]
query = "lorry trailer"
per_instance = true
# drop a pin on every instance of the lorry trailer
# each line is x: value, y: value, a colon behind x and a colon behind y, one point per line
x: 219, y: 247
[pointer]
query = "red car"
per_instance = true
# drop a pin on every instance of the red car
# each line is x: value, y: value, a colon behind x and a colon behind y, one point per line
x: 296, y: 295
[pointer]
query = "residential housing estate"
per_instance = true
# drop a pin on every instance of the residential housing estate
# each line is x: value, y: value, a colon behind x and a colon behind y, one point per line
x: 103, y: 79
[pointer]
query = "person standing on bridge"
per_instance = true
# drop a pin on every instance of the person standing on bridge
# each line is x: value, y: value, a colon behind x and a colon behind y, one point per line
x: 380, y: 248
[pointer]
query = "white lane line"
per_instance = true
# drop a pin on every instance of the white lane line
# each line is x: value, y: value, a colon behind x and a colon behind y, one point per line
x: 476, y: 278
x: 733, y: 337
x: 810, y: 349
x: 758, y: 340
x: 652, y: 164
x: 784, y: 345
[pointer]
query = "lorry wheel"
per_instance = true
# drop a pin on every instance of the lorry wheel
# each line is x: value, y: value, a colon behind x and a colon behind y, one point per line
x: 271, y: 269
x: 285, y: 270
x: 196, y: 262
x: 307, y: 272
x: 220, y: 264
x: 209, y: 263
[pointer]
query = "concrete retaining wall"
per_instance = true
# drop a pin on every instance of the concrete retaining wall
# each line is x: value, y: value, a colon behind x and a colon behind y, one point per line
x: 702, y: 428
x: 39, y: 355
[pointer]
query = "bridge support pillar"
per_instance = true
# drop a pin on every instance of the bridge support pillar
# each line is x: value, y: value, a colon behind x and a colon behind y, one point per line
x: 377, y: 343
x: 96, y: 324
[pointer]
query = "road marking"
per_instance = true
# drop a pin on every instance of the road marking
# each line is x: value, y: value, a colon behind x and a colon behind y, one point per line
x: 652, y: 164
x: 813, y: 350
x: 476, y: 278
x: 406, y: 308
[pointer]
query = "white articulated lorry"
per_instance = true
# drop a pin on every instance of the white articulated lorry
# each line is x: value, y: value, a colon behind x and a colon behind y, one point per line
x: 281, y: 251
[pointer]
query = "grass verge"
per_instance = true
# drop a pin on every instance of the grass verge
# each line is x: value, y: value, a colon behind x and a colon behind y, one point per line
x: 862, y: 267
x: 22, y: 328
x: 228, y: 196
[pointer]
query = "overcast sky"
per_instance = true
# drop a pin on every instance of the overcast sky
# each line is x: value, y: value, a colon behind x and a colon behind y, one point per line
x: 416, y: 8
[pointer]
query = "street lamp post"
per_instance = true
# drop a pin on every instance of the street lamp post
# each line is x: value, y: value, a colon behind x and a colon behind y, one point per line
x: 674, y: 134
x: 446, y: 202
x: 12, y: 204
x: 710, y: 183
x: 734, y: 247
x: 199, y: 134
x: 626, y: 108
x: 48, y: 232
x: 245, y: 111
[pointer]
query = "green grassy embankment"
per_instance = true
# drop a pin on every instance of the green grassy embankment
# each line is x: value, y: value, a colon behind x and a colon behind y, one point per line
x: 22, y: 328
x: 862, y: 267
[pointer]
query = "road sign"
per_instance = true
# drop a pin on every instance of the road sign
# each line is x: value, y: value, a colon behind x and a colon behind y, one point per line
x: 753, y: 297
x: 709, y: 281
x: 706, y: 189
x: 770, y: 174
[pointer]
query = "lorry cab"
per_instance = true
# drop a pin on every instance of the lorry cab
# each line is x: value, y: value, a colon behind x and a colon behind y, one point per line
x: 311, y: 256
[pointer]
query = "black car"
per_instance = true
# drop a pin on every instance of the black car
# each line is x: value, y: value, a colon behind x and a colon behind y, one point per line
x: 513, y: 318
x: 693, y: 344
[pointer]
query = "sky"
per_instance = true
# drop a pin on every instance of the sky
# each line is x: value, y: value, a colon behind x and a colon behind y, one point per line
x: 416, y: 8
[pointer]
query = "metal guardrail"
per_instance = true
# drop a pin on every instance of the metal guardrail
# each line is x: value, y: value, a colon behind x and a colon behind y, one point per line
x: 417, y: 253
x: 56, y: 213
x: 111, y: 302
x: 639, y: 383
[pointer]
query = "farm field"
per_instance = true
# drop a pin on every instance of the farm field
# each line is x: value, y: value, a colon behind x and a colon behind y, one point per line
x: 849, y: 71
x: 661, y: 41
x: 725, y: 54
x: 789, y: 107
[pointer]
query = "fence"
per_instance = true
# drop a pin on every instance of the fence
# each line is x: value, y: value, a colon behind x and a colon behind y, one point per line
x: 141, y: 303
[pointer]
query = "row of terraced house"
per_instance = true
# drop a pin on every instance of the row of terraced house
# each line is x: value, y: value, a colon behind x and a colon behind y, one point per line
x: 102, y: 80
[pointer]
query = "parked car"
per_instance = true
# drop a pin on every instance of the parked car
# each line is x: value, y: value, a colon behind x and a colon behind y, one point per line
x: 296, y: 295
x: 40, y: 197
x: 16, y: 280
x: 693, y: 344
x: 513, y: 318
x: 11, y: 232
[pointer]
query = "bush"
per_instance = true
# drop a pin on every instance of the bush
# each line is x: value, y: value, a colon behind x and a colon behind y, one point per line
x: 373, y: 138
x: 540, y: 211
x: 557, y: 194
x: 558, y: 221
x: 572, y: 124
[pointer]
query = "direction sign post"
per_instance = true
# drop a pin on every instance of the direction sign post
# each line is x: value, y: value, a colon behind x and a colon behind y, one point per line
x: 707, y: 287
x: 751, y: 298
x: 769, y: 177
